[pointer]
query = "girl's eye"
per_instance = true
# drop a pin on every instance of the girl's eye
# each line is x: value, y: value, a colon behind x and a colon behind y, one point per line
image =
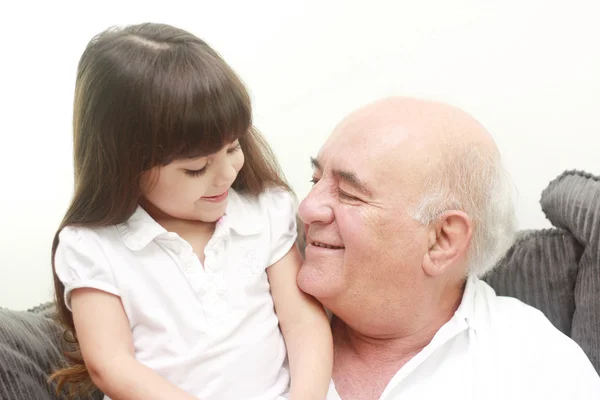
x: 314, y: 180
x: 234, y: 149
x: 195, y: 172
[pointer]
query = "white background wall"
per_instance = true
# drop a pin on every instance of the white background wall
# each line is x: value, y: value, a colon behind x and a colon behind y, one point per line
x: 528, y: 69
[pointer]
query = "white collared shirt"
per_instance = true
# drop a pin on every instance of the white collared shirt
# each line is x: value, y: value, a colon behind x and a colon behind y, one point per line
x: 495, y: 348
x: 210, y: 329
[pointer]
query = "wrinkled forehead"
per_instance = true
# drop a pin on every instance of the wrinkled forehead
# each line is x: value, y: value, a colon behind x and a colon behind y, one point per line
x: 385, y: 157
x: 382, y: 138
x: 342, y: 148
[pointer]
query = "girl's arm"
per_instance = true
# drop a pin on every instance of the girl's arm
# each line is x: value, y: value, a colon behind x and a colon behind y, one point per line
x: 305, y: 328
x: 106, y: 344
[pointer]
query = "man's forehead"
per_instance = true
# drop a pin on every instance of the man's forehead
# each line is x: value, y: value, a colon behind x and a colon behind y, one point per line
x: 339, y: 153
x: 349, y: 161
x: 383, y: 160
x: 366, y: 143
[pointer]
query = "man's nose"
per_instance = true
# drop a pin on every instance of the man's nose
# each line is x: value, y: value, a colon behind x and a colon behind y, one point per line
x: 316, y: 207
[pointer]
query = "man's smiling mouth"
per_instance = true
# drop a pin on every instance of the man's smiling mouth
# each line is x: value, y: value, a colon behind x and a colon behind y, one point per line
x: 326, y: 246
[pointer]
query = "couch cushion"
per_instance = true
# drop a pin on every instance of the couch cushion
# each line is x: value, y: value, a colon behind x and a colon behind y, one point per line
x: 572, y: 202
x: 29, y: 351
x: 540, y: 269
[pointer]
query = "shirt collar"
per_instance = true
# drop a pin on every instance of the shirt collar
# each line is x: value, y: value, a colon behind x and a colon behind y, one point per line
x: 466, y: 310
x: 241, y: 216
x: 139, y: 230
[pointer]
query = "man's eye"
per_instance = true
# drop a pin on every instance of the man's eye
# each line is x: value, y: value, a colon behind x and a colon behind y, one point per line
x: 347, y: 196
x: 314, y: 180
x: 195, y: 172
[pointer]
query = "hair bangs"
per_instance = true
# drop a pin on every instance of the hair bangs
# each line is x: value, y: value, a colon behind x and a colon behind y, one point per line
x: 202, y: 106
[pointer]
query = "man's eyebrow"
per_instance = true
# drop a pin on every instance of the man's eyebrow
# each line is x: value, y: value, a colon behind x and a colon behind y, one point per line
x: 353, y: 180
x: 315, y: 163
x: 349, y: 177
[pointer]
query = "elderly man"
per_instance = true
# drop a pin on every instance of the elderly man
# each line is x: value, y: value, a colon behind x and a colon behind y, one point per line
x: 410, y: 205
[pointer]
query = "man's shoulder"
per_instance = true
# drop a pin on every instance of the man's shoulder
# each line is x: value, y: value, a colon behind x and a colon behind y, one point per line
x: 514, y: 330
x: 509, y: 313
x: 511, y: 319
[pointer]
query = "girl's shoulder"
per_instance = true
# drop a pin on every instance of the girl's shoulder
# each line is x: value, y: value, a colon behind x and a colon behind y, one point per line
x: 89, y: 236
x: 266, y: 203
x: 272, y: 212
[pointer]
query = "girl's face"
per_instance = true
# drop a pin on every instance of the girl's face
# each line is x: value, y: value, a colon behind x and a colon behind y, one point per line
x: 193, y: 189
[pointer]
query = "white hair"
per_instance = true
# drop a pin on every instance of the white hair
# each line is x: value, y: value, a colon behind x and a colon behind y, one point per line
x: 472, y: 179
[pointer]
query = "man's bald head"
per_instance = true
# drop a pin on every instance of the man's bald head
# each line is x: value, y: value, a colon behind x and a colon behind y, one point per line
x: 427, y: 127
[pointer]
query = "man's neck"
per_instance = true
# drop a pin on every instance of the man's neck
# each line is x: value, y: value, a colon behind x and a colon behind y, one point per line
x: 365, y: 363
x: 401, y: 333
x: 387, y: 349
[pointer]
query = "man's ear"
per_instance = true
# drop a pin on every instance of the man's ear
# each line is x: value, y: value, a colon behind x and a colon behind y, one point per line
x: 449, y: 239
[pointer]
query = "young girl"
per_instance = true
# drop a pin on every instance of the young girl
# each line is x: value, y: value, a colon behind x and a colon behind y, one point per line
x: 175, y: 265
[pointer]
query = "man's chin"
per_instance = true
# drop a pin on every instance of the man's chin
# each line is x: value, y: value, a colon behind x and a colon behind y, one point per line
x: 313, y: 282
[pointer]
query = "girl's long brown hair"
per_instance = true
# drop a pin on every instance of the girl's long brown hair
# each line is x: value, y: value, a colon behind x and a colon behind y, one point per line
x: 146, y: 95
